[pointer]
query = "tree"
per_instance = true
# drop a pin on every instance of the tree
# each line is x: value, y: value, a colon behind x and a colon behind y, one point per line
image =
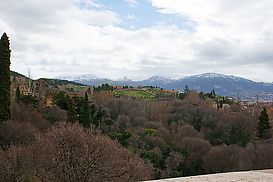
x: 18, y: 94
x: 86, y: 116
x: 186, y: 90
x: 213, y: 160
x: 71, y: 111
x: 67, y: 152
x: 78, y: 102
x: 264, y: 128
x: 4, y: 78
x: 17, y: 133
x: 30, y: 100
x: 99, y: 116
x: 60, y: 100
x: 213, y: 93
x: 122, y: 137
x: 239, y: 135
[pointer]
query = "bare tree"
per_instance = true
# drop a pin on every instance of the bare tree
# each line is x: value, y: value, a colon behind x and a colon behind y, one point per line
x: 17, y: 133
x: 68, y: 152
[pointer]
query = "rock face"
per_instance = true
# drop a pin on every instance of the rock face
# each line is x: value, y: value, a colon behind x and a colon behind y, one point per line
x: 253, y: 176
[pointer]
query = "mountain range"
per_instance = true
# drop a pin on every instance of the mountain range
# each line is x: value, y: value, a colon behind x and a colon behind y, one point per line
x: 227, y: 85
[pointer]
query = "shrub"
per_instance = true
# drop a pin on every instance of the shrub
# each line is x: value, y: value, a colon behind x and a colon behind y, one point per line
x: 67, y: 152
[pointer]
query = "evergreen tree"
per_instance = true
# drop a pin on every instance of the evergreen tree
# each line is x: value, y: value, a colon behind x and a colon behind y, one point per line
x: 86, y: 116
x: 201, y: 95
x: 217, y: 103
x: 4, y: 78
x: 264, y: 128
x: 100, y: 113
x: 186, y: 89
x: 92, y: 111
x: 17, y: 94
x: 213, y: 93
x: 71, y: 111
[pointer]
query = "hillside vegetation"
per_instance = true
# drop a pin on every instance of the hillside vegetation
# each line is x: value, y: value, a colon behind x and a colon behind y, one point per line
x: 138, y: 94
x: 140, y: 135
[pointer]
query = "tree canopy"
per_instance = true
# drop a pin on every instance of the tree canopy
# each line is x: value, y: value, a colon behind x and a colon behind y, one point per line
x: 264, y: 128
x: 4, y: 78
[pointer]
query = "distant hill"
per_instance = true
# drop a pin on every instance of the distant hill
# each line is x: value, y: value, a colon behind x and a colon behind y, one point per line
x: 77, y: 77
x: 15, y: 74
x: 52, y: 82
x: 227, y: 85
x: 157, y: 81
x: 222, y: 84
x: 55, y: 82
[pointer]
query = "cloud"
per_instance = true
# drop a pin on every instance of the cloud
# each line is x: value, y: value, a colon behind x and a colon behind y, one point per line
x: 71, y: 38
x: 85, y: 36
x: 132, y: 3
x: 232, y: 33
x: 132, y: 17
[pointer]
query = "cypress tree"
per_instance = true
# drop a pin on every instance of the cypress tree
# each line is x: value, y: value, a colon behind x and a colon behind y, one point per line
x: 99, y: 116
x: 186, y: 90
x: 264, y: 128
x: 17, y: 94
x: 71, y: 111
x: 4, y: 78
x: 86, y: 117
x: 213, y: 93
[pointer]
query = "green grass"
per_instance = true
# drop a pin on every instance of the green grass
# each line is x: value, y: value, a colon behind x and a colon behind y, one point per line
x: 137, y: 94
x: 77, y: 87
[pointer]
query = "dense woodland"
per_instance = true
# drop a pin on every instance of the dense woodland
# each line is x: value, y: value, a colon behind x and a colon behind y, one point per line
x: 187, y: 137
x: 103, y: 138
x: 162, y: 138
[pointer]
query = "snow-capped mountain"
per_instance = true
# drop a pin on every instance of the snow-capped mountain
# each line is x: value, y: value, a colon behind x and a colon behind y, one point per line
x: 222, y: 84
x: 228, y: 85
x: 124, y: 79
x: 160, y: 79
x: 157, y: 81
x: 213, y: 76
x: 77, y: 77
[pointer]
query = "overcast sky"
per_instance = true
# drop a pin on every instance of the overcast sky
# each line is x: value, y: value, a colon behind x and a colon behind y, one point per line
x: 140, y: 38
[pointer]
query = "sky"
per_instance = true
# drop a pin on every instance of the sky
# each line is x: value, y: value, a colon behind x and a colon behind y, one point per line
x: 140, y: 38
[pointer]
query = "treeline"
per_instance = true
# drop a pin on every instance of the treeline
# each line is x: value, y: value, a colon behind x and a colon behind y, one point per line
x: 79, y: 110
x: 220, y: 100
x: 103, y: 87
x: 35, y: 149
x: 182, y: 137
x: 188, y: 137
x: 179, y: 137
x: 49, y: 144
